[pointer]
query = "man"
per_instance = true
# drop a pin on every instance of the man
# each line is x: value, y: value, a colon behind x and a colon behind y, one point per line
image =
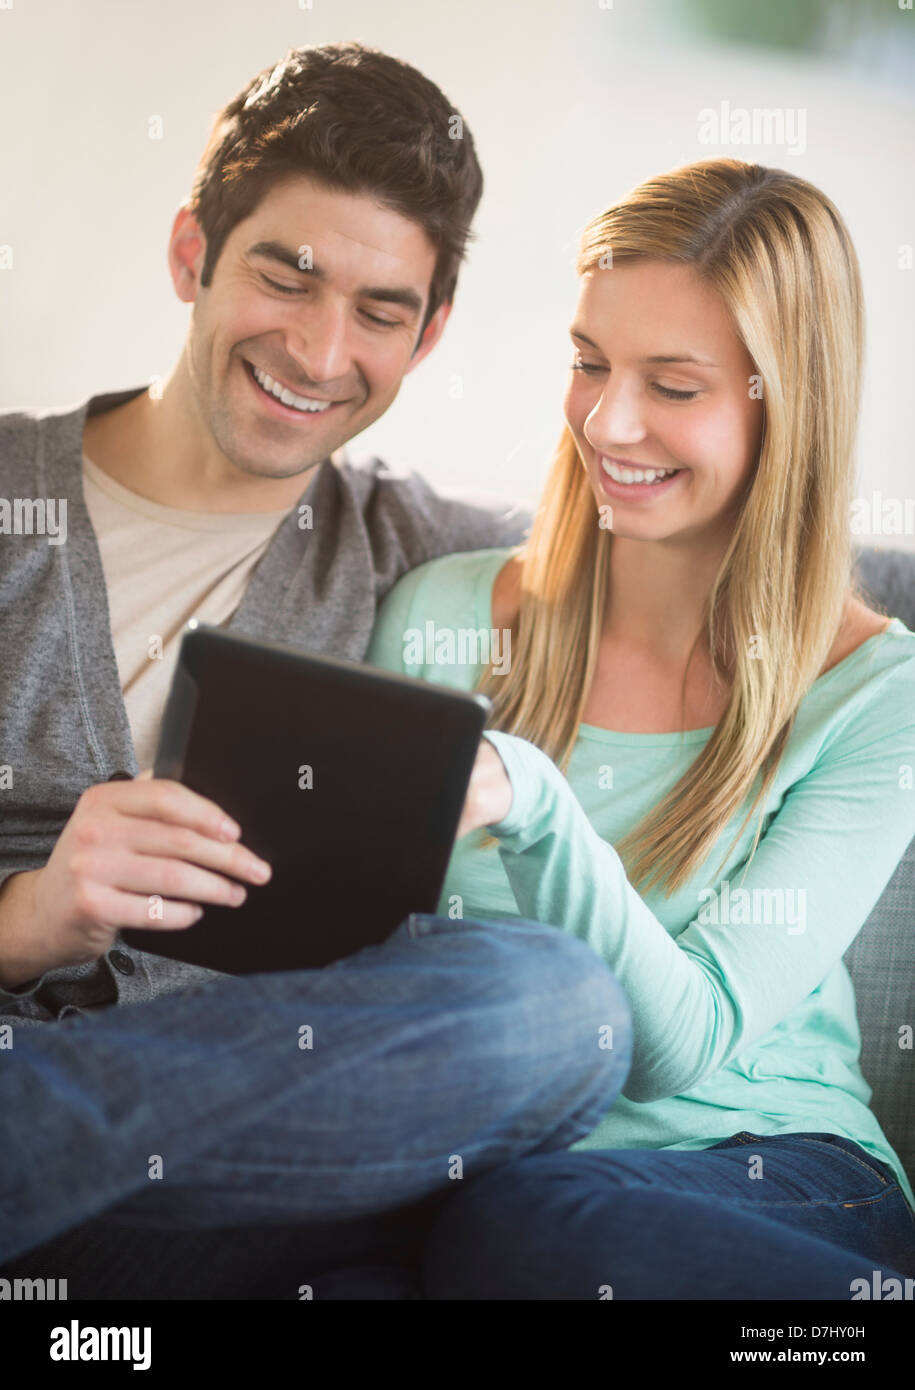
x: 319, y: 250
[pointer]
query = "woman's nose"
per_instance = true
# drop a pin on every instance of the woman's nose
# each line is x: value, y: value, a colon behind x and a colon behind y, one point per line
x: 616, y: 420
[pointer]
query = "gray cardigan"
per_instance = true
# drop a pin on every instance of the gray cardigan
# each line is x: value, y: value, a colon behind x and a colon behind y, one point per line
x: 63, y: 723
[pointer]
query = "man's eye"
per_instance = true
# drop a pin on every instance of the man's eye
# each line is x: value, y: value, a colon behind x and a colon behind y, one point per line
x: 579, y: 366
x: 673, y: 395
x: 298, y: 289
x: 383, y: 323
x: 283, y: 289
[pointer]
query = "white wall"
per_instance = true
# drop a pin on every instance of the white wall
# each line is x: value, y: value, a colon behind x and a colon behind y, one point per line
x: 571, y: 104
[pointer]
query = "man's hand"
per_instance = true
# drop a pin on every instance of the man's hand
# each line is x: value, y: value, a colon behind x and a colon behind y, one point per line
x: 125, y: 843
x: 489, y: 792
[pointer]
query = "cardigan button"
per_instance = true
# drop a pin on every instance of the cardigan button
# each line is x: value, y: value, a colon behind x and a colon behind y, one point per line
x: 121, y: 777
x: 122, y: 962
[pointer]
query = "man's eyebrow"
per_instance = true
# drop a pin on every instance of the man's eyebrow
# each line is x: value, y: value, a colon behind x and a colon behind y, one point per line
x: 672, y: 357
x: 385, y: 294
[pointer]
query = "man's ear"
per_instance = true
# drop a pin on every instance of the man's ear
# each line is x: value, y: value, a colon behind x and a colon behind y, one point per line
x: 431, y: 334
x: 186, y: 254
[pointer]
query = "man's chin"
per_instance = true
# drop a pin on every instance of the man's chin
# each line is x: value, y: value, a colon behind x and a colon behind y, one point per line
x: 260, y: 464
x: 260, y: 448
x: 254, y: 453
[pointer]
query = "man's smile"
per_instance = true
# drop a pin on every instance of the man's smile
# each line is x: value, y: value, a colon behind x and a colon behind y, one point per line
x: 281, y: 400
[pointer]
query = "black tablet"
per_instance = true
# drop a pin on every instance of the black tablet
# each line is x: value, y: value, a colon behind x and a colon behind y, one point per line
x: 348, y: 780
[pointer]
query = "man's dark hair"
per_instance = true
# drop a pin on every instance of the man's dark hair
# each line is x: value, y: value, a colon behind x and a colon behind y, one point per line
x: 356, y: 120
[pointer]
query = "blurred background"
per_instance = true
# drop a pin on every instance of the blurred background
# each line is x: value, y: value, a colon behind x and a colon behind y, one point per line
x: 571, y: 103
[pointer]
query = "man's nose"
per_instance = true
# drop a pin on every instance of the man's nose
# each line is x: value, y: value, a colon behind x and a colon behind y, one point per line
x: 318, y: 343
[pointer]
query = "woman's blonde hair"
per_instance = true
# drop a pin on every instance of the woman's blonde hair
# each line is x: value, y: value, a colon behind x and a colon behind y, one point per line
x: 780, y: 256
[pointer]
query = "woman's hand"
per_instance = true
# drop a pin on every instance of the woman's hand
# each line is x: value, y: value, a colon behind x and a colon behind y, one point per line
x: 489, y: 792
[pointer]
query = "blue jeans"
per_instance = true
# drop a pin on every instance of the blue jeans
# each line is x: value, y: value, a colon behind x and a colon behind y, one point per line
x: 418, y: 1149
x: 185, y: 1128
x: 794, y: 1216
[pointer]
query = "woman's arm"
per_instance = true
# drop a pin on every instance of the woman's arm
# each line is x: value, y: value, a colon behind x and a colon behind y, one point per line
x: 714, y: 990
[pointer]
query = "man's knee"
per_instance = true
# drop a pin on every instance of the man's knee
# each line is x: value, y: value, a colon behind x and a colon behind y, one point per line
x: 577, y: 997
x: 562, y: 1008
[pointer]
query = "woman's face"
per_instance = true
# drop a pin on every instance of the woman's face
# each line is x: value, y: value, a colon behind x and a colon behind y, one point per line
x: 660, y: 380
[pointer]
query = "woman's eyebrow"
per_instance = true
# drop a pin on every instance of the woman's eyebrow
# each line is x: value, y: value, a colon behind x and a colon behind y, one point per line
x: 666, y: 357
x: 682, y: 357
x: 582, y: 338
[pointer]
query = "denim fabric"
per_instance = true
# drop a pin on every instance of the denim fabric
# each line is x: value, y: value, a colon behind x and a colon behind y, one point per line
x: 453, y: 1044
x: 793, y: 1216
x: 329, y: 1172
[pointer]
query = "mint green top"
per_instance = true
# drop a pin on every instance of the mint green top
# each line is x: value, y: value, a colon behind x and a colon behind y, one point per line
x: 743, y: 1009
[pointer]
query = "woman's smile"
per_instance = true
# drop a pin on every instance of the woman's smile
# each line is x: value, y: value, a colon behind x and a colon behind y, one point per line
x: 635, y: 482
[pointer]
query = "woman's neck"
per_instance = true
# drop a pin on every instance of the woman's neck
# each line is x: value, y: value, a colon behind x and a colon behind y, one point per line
x: 658, y: 594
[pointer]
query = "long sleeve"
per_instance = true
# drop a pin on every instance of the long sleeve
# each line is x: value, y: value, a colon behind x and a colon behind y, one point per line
x: 727, y: 978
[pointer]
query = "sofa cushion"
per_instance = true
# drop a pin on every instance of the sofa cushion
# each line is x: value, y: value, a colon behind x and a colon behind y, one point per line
x: 881, y: 959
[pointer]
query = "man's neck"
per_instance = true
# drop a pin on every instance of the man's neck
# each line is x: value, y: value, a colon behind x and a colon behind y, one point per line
x: 153, y: 446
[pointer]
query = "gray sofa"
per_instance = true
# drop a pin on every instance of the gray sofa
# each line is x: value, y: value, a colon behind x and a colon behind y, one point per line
x: 105, y: 1260
x: 881, y: 959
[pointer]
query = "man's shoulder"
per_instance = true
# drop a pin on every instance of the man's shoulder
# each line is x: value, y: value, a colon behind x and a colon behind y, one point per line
x: 368, y: 477
x: 403, y: 501
x: 22, y: 425
x: 30, y: 417
x: 20, y: 422
x: 20, y: 431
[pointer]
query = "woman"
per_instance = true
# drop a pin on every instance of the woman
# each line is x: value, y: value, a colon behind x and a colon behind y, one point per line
x: 688, y: 648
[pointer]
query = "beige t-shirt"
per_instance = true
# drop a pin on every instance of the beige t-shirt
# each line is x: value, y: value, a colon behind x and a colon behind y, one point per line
x: 164, y: 566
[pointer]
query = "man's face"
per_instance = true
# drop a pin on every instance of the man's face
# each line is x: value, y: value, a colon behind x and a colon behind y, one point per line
x: 322, y: 292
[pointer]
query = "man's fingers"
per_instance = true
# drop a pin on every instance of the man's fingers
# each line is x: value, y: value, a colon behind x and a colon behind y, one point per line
x: 132, y: 910
x: 161, y: 840
x: 164, y: 878
x: 162, y: 798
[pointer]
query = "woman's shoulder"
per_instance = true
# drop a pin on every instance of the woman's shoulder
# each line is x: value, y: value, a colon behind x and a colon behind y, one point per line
x: 452, y: 591
x: 865, y: 698
x: 871, y: 649
x: 860, y: 625
x: 506, y: 590
x: 452, y: 580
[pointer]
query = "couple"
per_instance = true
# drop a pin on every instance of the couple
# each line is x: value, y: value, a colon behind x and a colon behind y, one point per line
x: 591, y: 1076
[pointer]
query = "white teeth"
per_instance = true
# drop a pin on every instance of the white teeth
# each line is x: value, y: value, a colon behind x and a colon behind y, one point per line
x: 620, y: 474
x: 282, y: 393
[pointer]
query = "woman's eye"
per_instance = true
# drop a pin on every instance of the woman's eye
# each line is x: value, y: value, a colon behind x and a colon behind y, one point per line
x: 579, y: 366
x: 673, y: 395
